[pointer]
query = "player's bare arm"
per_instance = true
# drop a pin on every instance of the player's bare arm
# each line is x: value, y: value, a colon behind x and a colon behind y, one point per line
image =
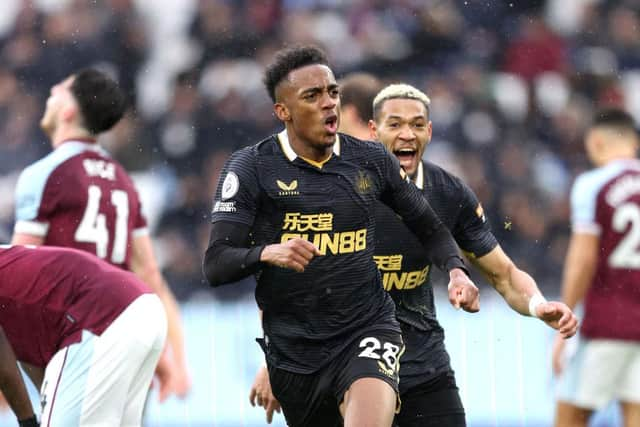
x: 522, y: 294
x: 143, y: 264
x: 26, y: 239
x: 35, y: 373
x: 579, y: 269
x: 12, y: 385
x: 261, y: 392
x: 262, y: 395
x: 163, y: 375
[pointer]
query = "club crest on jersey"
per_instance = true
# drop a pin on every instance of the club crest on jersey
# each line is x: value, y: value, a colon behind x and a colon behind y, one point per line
x: 363, y: 183
x: 230, y: 186
x: 288, y: 189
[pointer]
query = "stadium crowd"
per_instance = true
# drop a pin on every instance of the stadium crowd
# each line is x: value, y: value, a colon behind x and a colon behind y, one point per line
x: 512, y: 84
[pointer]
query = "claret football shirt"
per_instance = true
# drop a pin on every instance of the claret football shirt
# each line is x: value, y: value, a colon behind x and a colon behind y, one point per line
x: 79, y: 197
x: 48, y: 296
x: 606, y: 202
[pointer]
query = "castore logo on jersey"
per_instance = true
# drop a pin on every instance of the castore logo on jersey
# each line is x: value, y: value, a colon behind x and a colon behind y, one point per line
x: 288, y: 189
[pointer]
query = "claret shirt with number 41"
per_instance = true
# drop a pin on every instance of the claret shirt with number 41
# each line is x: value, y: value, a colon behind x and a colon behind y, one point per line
x: 79, y: 197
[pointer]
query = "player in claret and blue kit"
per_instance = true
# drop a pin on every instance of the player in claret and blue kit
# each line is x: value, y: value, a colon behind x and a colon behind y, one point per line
x: 602, y: 270
x: 91, y: 333
x: 78, y: 196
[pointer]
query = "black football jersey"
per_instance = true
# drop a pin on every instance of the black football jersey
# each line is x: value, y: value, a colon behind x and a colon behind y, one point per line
x: 309, y: 317
x: 405, y: 267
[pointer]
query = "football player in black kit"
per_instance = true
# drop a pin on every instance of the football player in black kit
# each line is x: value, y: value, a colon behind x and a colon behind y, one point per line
x: 297, y: 209
x: 427, y: 384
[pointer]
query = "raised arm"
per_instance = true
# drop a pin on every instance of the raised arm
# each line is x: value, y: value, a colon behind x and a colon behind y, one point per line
x: 473, y: 234
x: 522, y: 294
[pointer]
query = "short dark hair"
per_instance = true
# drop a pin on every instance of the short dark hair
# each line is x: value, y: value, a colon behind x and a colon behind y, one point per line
x: 290, y: 59
x: 359, y: 89
x: 102, y: 103
x: 615, y: 118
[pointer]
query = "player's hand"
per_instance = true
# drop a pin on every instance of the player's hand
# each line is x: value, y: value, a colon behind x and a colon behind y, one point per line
x: 294, y: 254
x: 180, y: 381
x: 163, y: 376
x: 262, y: 395
x: 557, y: 354
x: 559, y: 316
x: 462, y: 292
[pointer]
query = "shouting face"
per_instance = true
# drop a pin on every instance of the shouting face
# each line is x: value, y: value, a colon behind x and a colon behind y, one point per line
x: 308, y: 101
x: 403, y: 126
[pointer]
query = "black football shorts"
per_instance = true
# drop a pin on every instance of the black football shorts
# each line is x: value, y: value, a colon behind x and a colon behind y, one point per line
x: 434, y: 403
x: 312, y: 400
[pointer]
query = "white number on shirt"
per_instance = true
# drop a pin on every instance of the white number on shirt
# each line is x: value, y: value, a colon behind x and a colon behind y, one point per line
x: 93, y: 227
x: 627, y: 253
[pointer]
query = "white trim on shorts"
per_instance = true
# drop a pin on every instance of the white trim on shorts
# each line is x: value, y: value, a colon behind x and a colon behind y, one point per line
x: 601, y: 371
x: 104, y: 380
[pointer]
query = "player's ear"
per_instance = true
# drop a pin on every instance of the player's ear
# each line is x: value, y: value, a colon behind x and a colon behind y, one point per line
x: 598, y: 144
x: 429, y: 131
x: 373, y: 130
x: 69, y: 113
x: 282, y: 112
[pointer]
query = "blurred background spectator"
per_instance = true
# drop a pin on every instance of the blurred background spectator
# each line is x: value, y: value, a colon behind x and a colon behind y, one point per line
x: 512, y: 86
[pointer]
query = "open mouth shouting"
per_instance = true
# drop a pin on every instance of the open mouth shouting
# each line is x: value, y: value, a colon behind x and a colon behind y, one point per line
x: 407, y: 157
x: 331, y: 124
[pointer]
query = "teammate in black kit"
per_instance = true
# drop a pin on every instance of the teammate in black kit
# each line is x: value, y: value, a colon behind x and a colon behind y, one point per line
x: 297, y: 209
x: 427, y: 385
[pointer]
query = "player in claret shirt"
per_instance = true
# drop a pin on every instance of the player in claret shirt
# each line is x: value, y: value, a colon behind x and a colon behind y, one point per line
x: 96, y: 331
x: 602, y: 270
x: 79, y: 197
x: 298, y: 209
